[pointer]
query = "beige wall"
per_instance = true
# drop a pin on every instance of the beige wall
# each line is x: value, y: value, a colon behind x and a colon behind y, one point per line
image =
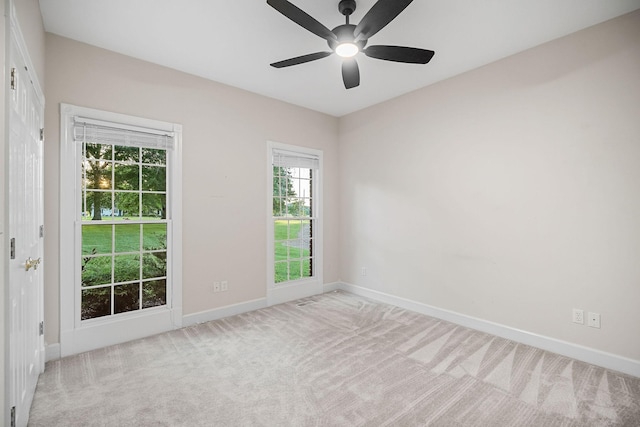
x: 225, y: 131
x: 509, y: 193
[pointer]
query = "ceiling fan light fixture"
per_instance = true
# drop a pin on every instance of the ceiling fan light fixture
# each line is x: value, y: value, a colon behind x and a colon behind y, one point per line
x: 347, y: 40
x: 347, y: 50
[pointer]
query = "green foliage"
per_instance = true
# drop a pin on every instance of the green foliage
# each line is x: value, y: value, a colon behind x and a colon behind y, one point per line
x: 132, y: 170
x: 97, y: 269
x: 97, y: 174
x: 282, y: 190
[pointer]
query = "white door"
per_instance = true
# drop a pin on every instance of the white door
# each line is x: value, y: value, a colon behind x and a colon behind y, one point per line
x: 26, y: 343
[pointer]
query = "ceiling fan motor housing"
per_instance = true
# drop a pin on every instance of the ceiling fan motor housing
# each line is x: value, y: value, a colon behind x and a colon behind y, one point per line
x: 344, y: 34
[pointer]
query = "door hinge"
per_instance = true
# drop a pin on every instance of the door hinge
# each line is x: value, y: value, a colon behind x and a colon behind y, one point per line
x: 41, y: 134
x: 42, y: 328
x: 13, y: 79
x: 42, y: 231
x: 13, y: 416
x: 13, y: 248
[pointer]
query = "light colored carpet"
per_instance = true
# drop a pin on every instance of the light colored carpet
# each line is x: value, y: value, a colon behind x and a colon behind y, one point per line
x: 330, y: 360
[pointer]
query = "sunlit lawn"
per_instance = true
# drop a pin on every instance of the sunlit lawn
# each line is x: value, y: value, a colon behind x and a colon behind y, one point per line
x: 127, y: 237
x: 97, y: 239
x: 284, y: 271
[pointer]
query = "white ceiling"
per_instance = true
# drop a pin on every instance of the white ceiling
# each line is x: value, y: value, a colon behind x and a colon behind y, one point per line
x: 234, y: 41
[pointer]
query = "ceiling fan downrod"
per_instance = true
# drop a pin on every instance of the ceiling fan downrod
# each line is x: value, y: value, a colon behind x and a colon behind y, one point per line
x: 347, y: 7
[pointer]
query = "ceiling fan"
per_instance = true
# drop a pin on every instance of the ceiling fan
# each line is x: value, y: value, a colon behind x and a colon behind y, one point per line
x: 348, y: 39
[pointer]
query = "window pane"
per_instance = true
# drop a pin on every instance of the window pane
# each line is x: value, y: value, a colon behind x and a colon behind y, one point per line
x: 127, y: 177
x: 96, y: 270
x: 305, y: 245
x: 126, y: 297
x: 307, y: 268
x: 127, y: 154
x: 279, y: 206
x: 154, y: 265
x: 154, y: 178
x: 280, y: 229
x: 98, y: 151
x: 97, y: 174
x: 295, y: 229
x: 294, y: 249
x: 305, y: 210
x: 127, y: 205
x: 96, y: 239
x: 295, y: 270
x: 127, y: 237
x: 280, y: 251
x: 281, y: 274
x: 154, y: 293
x: 96, y: 303
x: 305, y: 173
x: 126, y: 268
x: 277, y: 186
x: 153, y: 156
x: 154, y: 206
x: 96, y: 206
x: 96, y: 168
x: 154, y: 237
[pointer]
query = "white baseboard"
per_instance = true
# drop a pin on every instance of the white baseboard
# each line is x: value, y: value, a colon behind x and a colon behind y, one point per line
x: 575, y: 351
x: 330, y: 287
x: 51, y: 352
x: 226, y: 311
x: 294, y: 291
x: 244, y: 307
x: 94, y: 335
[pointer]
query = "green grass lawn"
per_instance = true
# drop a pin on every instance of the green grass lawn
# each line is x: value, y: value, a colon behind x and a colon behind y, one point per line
x: 97, y: 238
x: 291, y: 263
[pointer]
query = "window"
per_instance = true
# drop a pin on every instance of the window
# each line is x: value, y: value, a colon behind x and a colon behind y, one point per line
x: 123, y: 219
x: 120, y: 228
x: 295, y: 230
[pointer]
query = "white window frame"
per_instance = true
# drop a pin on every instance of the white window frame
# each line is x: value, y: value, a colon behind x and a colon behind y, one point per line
x: 77, y: 336
x: 294, y: 289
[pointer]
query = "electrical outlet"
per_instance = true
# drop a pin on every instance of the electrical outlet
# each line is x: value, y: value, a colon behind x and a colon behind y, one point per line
x: 363, y: 272
x: 578, y: 316
x: 216, y: 286
x: 593, y: 320
x: 224, y: 286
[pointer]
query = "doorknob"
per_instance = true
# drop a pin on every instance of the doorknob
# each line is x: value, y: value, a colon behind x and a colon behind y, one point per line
x: 31, y: 263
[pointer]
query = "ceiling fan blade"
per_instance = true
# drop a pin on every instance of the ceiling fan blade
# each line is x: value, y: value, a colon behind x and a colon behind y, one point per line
x: 411, y: 55
x: 300, y: 59
x: 301, y: 18
x: 350, y: 73
x: 380, y: 14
